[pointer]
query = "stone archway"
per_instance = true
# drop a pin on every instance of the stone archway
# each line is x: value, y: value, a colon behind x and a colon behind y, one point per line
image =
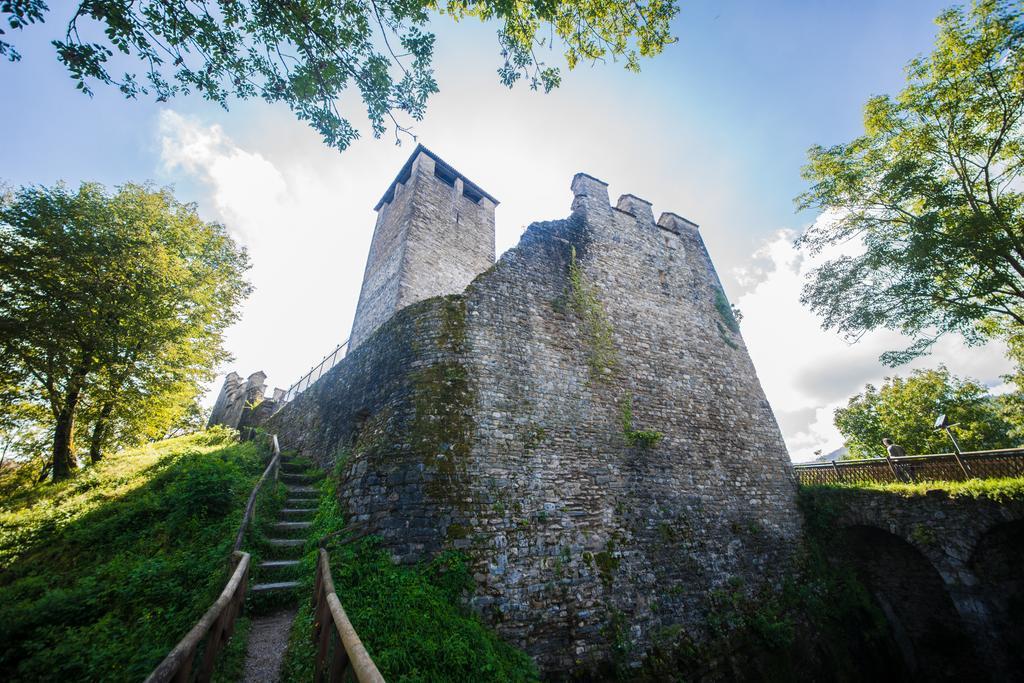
x: 924, y: 624
x: 998, y: 564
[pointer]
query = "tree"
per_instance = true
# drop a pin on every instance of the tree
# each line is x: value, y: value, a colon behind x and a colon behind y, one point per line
x: 932, y: 192
x: 905, y: 410
x: 306, y: 53
x: 20, y: 419
x: 111, y: 303
x: 1011, y: 404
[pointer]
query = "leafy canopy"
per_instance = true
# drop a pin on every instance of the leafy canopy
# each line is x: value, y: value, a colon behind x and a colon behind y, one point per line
x: 904, y: 410
x: 117, y: 300
x: 308, y: 53
x: 932, y: 191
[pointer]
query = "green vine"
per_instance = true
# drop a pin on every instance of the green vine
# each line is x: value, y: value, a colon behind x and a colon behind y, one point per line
x: 644, y: 438
x: 727, y: 312
x: 730, y: 321
x: 584, y: 301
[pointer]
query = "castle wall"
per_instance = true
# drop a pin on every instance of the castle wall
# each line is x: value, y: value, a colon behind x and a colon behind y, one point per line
x: 228, y: 393
x: 235, y: 397
x: 493, y: 422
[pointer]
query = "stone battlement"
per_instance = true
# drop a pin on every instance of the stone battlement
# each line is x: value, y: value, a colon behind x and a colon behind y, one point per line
x: 238, y: 400
x: 593, y: 193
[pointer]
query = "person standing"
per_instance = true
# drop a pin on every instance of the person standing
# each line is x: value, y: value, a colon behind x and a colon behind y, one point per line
x: 894, y: 450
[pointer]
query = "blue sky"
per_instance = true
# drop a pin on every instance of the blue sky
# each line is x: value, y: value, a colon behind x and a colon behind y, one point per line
x: 715, y: 129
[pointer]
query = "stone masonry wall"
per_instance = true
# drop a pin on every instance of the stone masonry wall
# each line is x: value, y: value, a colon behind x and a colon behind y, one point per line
x: 235, y: 399
x: 509, y: 422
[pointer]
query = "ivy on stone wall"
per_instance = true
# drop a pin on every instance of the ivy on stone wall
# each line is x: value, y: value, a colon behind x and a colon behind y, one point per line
x: 644, y: 438
x: 583, y: 298
x: 730, y: 320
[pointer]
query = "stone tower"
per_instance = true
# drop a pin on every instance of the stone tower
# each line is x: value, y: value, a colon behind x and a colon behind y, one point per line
x: 235, y: 395
x: 434, y: 234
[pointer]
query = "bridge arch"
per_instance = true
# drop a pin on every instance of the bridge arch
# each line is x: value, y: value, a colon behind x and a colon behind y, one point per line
x: 996, y: 564
x: 924, y: 623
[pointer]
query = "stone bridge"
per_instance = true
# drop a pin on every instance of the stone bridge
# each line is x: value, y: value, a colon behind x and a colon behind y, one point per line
x: 948, y: 572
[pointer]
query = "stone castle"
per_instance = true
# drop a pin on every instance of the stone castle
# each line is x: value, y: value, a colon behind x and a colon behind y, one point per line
x: 581, y: 418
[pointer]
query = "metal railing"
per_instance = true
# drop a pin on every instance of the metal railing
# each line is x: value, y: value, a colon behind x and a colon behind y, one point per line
x: 315, y: 373
x: 339, y: 651
x: 1007, y: 462
x: 218, y: 623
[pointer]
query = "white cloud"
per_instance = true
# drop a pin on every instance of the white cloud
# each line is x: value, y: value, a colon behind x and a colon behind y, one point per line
x: 295, y: 219
x: 247, y: 190
x: 808, y: 372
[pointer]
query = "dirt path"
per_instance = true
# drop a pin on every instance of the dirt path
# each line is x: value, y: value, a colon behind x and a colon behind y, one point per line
x: 268, y: 639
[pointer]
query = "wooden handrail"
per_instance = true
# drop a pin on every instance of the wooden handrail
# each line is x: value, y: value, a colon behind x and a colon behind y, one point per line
x: 334, y: 635
x: 219, y: 622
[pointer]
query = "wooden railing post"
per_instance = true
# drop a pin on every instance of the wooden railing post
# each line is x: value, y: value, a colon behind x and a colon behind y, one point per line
x: 332, y: 623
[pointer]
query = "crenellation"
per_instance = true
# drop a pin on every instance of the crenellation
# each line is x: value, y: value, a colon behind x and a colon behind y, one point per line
x: 636, y: 207
x: 237, y: 397
x: 675, y: 223
x: 589, y: 194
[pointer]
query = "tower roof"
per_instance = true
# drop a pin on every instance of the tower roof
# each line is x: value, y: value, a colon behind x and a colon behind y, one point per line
x: 441, y: 164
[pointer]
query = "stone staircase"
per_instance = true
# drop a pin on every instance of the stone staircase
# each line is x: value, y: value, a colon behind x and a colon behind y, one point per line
x: 284, y: 547
x: 274, y: 593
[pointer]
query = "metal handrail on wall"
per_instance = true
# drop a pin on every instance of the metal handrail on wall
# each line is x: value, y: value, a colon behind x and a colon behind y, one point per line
x: 1007, y: 462
x: 315, y: 373
x: 336, y: 640
x: 218, y: 623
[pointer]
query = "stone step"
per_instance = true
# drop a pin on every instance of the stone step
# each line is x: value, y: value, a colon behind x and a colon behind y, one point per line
x: 295, y: 462
x: 279, y: 564
x: 300, y: 489
x: 293, y: 525
x: 289, y: 478
x: 297, y: 512
x: 295, y: 503
x: 286, y: 542
x: 277, y: 586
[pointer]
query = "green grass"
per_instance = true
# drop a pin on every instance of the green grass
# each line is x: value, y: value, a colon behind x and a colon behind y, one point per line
x: 103, y: 574
x: 411, y: 618
x: 999, y: 490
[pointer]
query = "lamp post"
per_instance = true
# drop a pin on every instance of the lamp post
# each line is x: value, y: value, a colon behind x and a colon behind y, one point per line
x: 942, y: 424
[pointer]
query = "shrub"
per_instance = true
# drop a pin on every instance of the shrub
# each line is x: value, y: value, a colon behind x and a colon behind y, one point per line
x: 412, y: 619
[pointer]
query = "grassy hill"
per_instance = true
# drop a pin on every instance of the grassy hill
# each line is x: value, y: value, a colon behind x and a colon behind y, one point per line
x: 101, y: 575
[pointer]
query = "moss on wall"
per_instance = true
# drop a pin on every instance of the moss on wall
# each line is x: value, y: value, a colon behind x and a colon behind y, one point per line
x: 442, y: 427
x: 602, y: 355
